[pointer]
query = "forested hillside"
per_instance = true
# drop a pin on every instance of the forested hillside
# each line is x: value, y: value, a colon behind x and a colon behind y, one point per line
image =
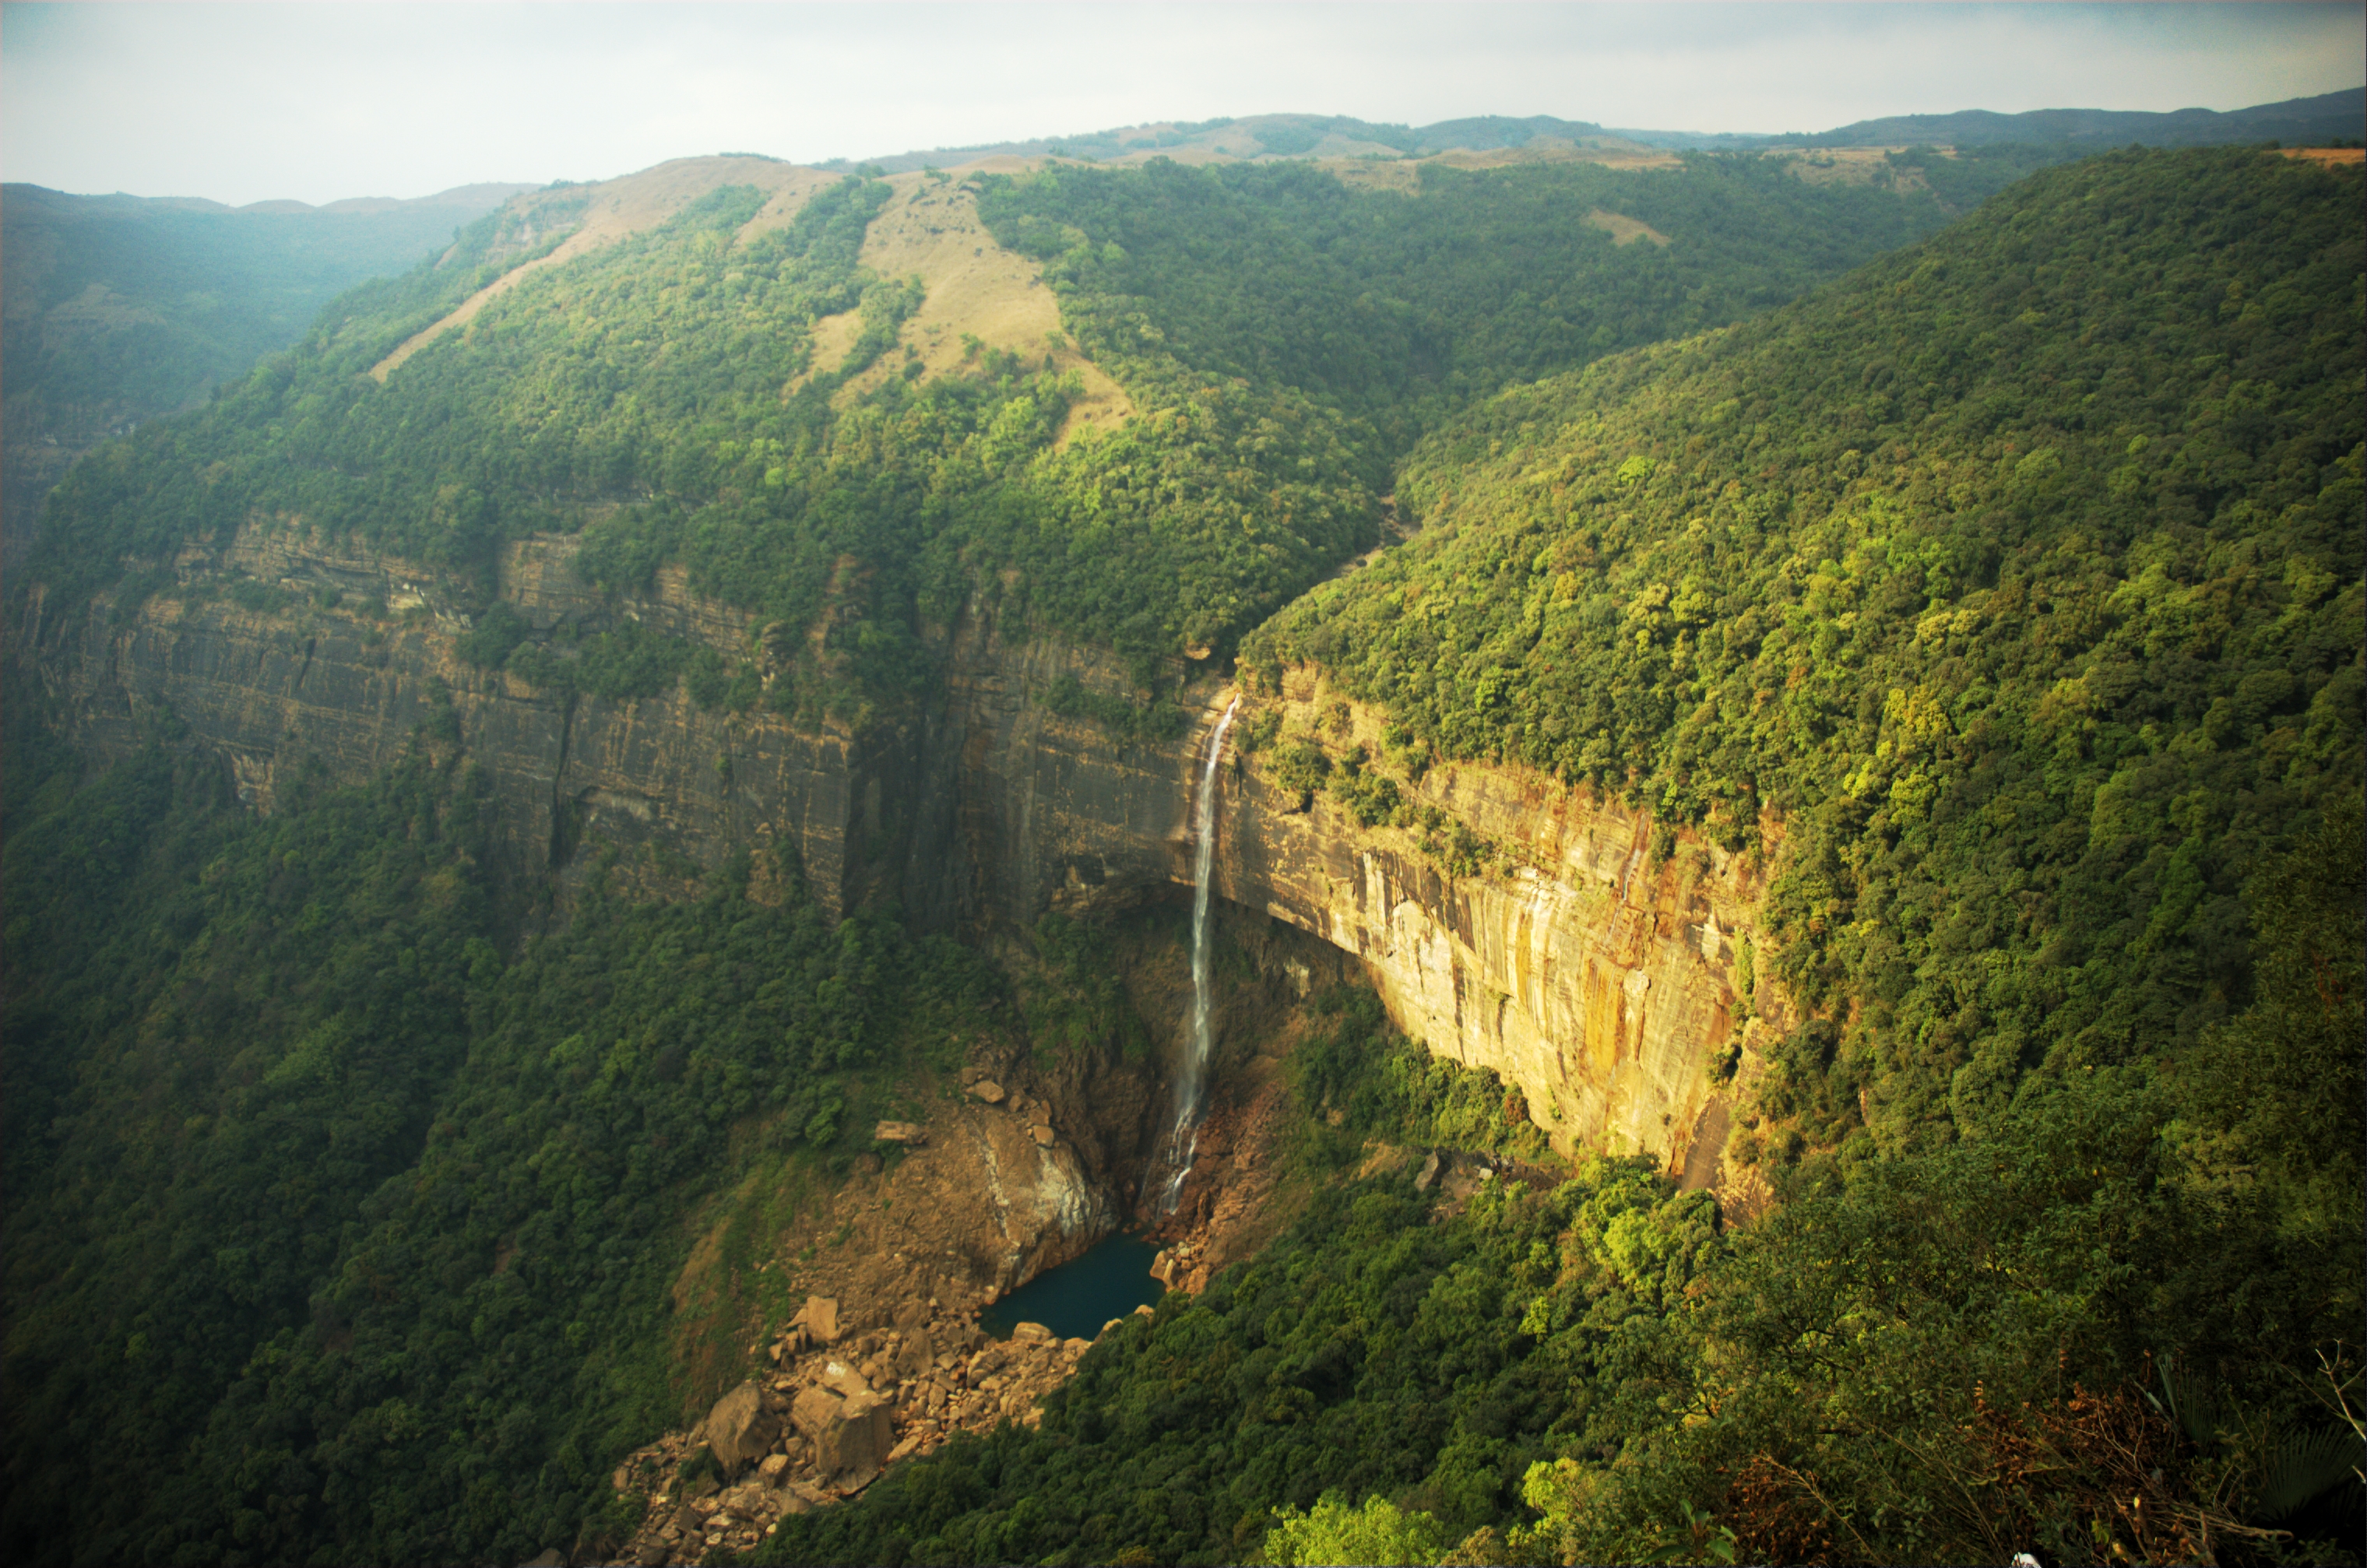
x: 119, y: 309
x: 1997, y: 597
x: 2017, y: 578
x: 350, y: 1233
x: 1284, y: 335
x: 2008, y: 595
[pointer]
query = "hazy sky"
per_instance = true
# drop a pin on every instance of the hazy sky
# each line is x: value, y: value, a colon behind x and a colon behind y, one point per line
x: 246, y: 102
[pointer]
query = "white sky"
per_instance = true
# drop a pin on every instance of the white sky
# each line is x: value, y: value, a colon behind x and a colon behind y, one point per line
x: 246, y: 102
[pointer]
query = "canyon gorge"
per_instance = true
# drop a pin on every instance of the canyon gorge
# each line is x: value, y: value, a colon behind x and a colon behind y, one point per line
x: 1592, y: 971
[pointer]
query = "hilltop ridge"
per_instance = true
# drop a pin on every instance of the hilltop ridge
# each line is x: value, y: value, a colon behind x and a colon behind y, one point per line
x: 2339, y: 115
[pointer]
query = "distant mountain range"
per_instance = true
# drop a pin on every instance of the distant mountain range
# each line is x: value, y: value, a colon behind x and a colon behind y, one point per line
x: 116, y: 309
x: 2329, y: 117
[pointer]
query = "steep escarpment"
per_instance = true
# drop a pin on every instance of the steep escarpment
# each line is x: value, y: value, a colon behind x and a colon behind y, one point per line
x: 1591, y: 961
x: 1591, y: 969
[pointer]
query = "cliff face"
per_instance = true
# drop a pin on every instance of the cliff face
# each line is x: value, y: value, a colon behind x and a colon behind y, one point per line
x: 1596, y: 979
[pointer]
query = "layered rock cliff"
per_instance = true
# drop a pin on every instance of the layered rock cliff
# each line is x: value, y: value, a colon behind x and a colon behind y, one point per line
x: 1596, y: 977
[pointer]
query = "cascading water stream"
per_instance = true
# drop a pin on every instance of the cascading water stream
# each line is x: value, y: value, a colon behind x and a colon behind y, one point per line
x: 1183, y: 1133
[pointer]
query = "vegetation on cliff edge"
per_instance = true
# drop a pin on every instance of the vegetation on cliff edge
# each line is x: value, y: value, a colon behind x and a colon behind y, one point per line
x: 2018, y: 576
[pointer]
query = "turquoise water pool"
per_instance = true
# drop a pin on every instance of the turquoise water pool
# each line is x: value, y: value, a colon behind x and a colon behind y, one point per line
x: 1074, y: 1299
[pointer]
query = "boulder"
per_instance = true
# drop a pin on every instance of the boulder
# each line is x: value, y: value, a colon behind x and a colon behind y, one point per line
x: 912, y: 1316
x: 819, y: 1318
x: 910, y: 1134
x: 988, y: 1090
x: 917, y: 1354
x: 815, y: 1411
x: 1030, y: 1333
x: 850, y: 1451
x: 1073, y: 1348
x: 739, y: 1429
x: 1043, y: 1136
x: 774, y: 1470
x: 1428, y: 1173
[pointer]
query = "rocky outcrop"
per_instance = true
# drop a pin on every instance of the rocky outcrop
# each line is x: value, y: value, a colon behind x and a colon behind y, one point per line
x: 1596, y: 977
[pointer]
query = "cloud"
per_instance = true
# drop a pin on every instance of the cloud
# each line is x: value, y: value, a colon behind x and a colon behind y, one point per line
x: 245, y: 102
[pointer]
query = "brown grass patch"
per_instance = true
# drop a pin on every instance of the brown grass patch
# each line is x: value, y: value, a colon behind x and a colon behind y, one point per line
x: 1850, y: 165
x: 1623, y: 230
x: 1546, y: 150
x: 1404, y: 173
x: 974, y: 289
x: 2327, y: 155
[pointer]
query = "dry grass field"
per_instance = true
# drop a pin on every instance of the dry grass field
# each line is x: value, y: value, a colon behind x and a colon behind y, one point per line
x: 1852, y: 166
x: 974, y: 288
x: 1623, y: 229
x: 1405, y: 173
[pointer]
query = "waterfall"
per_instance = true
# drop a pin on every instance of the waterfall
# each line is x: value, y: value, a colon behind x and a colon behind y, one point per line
x: 1183, y: 1133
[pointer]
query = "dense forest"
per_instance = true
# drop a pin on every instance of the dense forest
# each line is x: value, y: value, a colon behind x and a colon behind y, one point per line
x: 2016, y: 579
x: 276, y: 1101
x: 1997, y: 582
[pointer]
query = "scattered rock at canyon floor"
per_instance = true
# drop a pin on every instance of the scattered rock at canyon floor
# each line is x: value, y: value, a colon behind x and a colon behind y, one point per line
x: 828, y: 1420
